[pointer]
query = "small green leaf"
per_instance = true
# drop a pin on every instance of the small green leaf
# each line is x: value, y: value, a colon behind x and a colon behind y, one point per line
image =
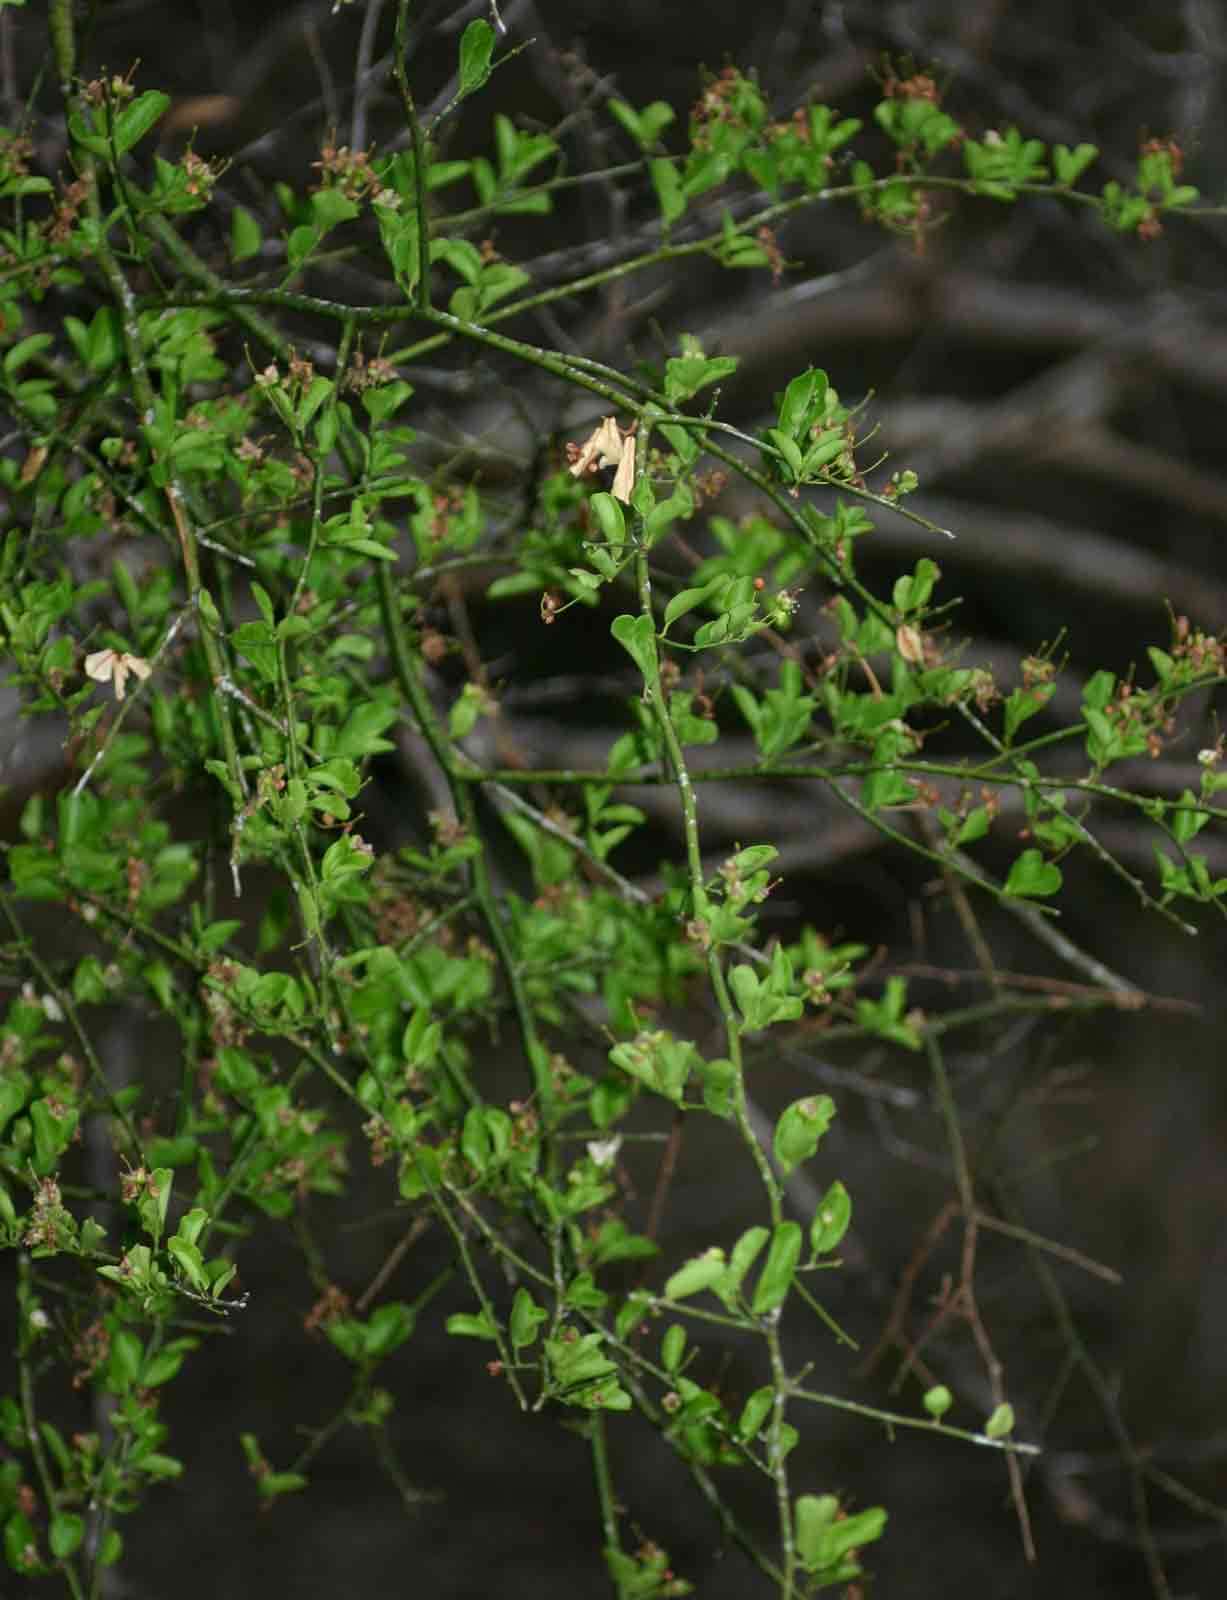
x: 745, y: 1252
x: 668, y: 185
x: 1069, y: 165
x: 526, y: 1317
x: 190, y: 1263
x: 1031, y: 875
x: 700, y: 1273
x: 755, y: 1412
x: 779, y: 1269
x: 814, y: 1515
x: 465, y: 1325
x: 135, y: 121
x: 361, y: 732
x: 637, y: 636
x: 800, y: 1128
x: 65, y: 1534
x: 245, y: 235
x: 476, y: 48
x: 831, y: 1220
x: 673, y: 1347
x: 937, y: 1401
x: 687, y: 599
x: 645, y: 126
x: 610, y: 517
x: 1001, y: 1422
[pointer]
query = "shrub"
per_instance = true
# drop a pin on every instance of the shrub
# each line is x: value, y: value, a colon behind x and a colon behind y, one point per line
x: 236, y: 579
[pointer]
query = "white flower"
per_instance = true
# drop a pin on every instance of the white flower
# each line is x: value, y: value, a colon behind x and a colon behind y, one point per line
x: 603, y: 1152
x: 116, y: 666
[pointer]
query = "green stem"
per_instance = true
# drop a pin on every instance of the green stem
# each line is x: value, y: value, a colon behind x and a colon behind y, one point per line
x: 26, y: 1335
x: 400, y: 48
x: 606, y: 1498
x: 898, y: 1419
x: 62, y: 29
x: 409, y: 676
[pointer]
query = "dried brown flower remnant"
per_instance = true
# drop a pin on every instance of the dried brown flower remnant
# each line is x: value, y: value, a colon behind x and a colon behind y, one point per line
x: 607, y: 445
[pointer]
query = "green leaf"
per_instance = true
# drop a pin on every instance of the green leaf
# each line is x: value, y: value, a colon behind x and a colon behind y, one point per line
x: 245, y: 236
x: 745, y: 1252
x: 65, y: 1533
x: 360, y: 734
x: 937, y: 1401
x: 673, y: 1347
x: 610, y: 518
x: 54, y: 1123
x: 687, y: 599
x: 779, y: 1269
x: 15, y: 1087
x: 828, y: 1538
x: 1069, y: 165
x: 637, y: 635
x: 390, y: 1325
x: 25, y: 350
x: 755, y: 1412
x: 464, y: 1324
x: 800, y: 1129
x: 526, y: 1317
x: 788, y: 449
x: 1032, y: 876
x: 329, y: 207
x: 645, y: 127
x: 668, y: 186
x: 814, y: 1514
x: 699, y: 1273
x: 686, y: 375
x: 258, y: 643
x: 135, y: 121
x: 831, y: 1220
x: 476, y: 48
x: 190, y: 1262
x: 20, y: 1539
x: 719, y: 1080
x: 802, y: 398
x: 1001, y: 1422
x: 912, y: 594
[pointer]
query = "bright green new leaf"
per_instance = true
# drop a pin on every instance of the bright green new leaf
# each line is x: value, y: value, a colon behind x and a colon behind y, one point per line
x: 700, y: 1273
x: 779, y: 1269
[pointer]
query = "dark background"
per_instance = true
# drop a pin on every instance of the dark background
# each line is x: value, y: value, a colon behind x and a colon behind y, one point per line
x: 1061, y: 393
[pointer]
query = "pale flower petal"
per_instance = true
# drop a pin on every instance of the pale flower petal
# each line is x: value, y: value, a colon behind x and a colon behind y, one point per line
x: 604, y: 1152
x: 603, y: 445
x: 100, y: 665
x: 111, y: 664
x: 624, y: 478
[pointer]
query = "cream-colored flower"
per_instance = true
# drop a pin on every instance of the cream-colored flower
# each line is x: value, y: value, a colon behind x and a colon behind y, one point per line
x: 604, y: 1152
x: 608, y: 446
x: 116, y: 666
